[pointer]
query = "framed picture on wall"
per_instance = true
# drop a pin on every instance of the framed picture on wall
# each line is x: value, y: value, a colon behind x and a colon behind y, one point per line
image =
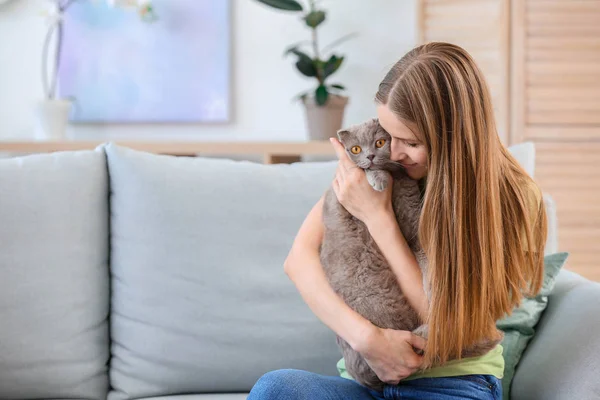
x: 120, y: 68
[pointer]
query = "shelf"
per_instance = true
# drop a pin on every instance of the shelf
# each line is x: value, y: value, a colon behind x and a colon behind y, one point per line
x: 272, y: 152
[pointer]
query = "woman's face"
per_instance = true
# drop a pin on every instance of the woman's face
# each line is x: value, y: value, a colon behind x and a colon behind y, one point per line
x: 405, y: 147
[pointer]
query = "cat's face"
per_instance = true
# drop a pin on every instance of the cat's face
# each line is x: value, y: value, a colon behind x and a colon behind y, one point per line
x: 367, y: 145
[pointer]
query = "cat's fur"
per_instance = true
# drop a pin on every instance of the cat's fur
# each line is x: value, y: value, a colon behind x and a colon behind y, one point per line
x: 355, y: 267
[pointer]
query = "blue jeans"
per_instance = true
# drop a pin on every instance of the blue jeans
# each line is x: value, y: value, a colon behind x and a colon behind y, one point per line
x: 292, y: 384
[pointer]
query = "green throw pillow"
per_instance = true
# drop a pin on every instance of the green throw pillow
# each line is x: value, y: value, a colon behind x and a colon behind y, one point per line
x: 518, y: 327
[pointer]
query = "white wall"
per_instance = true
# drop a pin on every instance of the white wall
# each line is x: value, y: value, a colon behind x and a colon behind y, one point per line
x: 263, y: 81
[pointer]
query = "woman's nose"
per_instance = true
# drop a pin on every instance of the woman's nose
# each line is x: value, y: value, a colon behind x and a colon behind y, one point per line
x: 397, y: 155
x: 395, y: 150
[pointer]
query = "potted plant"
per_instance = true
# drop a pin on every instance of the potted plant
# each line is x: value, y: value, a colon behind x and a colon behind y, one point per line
x: 325, y: 103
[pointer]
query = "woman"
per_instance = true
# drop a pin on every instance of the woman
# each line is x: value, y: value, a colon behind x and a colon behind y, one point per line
x: 481, y: 214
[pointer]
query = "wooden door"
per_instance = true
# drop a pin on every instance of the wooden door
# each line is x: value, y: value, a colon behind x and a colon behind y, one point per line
x: 555, y: 99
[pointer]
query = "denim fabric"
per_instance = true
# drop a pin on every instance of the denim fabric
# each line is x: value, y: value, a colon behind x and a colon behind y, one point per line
x: 291, y: 384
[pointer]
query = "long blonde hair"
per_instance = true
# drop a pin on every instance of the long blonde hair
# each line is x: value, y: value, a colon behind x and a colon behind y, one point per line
x: 481, y: 211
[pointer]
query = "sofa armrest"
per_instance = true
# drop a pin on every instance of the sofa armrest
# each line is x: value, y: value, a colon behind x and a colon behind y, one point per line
x: 563, y: 359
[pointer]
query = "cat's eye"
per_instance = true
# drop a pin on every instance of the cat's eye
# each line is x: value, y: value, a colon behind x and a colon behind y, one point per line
x: 355, y: 149
x: 380, y: 143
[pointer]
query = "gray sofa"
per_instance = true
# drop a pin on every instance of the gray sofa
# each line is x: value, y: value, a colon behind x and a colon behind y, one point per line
x: 132, y: 275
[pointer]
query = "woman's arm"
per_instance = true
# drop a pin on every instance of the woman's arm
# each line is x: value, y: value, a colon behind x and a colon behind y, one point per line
x: 303, y: 266
x: 385, y: 231
x: 390, y: 353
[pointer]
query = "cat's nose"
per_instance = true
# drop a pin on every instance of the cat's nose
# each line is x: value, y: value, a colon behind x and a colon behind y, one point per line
x: 371, y: 157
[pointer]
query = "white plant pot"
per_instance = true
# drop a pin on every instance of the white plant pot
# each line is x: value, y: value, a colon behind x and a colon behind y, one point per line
x: 52, y: 119
x: 324, y: 121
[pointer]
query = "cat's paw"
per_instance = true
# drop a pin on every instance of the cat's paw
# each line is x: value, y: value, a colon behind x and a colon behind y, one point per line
x: 422, y: 331
x: 378, y: 180
x: 380, y: 185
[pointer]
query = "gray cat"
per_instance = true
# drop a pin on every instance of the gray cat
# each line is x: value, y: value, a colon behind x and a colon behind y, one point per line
x: 355, y: 267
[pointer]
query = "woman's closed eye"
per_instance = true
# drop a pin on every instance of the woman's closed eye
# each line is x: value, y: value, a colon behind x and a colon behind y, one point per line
x: 408, y: 143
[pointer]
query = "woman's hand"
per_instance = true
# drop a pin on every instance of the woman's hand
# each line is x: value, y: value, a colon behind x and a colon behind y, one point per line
x: 390, y: 354
x: 354, y: 192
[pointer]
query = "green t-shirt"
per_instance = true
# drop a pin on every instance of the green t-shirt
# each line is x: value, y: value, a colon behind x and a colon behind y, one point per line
x: 491, y: 363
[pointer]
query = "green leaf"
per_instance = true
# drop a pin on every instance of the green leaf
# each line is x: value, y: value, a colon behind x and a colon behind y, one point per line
x: 295, y: 46
x: 306, y: 67
x: 286, y: 5
x: 332, y: 65
x: 319, y: 64
x: 294, y: 50
x: 305, y: 64
x: 338, y: 86
x: 315, y: 18
x: 321, y: 95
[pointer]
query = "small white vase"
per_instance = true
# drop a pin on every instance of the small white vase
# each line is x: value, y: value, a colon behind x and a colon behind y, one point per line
x: 52, y: 119
x: 324, y: 121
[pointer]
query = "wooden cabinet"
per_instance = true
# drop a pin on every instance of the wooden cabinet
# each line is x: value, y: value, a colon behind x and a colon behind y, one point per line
x: 544, y: 77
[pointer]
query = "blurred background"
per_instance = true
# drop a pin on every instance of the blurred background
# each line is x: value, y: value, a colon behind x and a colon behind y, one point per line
x: 261, y: 81
x: 279, y: 76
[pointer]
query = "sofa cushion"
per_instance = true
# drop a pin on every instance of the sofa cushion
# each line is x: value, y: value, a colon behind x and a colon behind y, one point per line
x: 519, y: 327
x: 54, y: 293
x: 200, y: 301
x: 524, y: 153
x: 563, y: 359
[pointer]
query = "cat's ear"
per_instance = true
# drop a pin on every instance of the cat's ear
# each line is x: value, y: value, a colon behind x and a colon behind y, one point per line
x: 343, y: 135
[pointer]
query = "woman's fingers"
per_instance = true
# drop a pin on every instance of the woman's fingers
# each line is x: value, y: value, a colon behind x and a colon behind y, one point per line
x: 341, y: 154
x: 336, y: 187
x: 414, y: 362
x: 339, y: 190
x: 346, y: 170
x: 396, y: 376
x: 339, y: 148
x: 340, y: 174
x: 417, y: 341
